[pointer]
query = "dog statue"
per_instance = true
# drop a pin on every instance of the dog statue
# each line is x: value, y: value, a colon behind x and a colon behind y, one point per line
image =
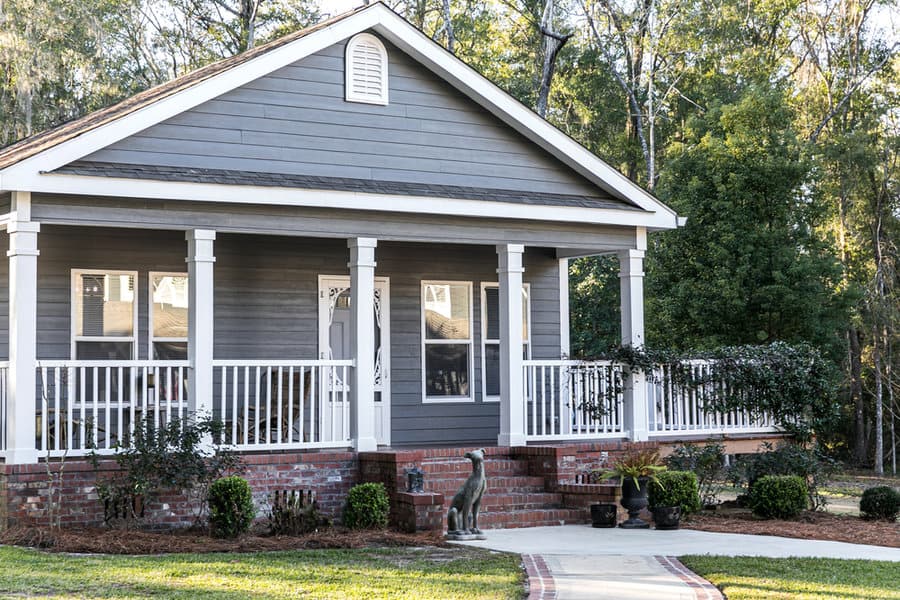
x: 462, y: 518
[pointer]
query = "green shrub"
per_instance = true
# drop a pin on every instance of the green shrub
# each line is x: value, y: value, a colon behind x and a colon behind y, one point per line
x: 880, y: 502
x: 706, y: 462
x: 676, y: 488
x: 231, y: 509
x: 367, y: 506
x: 778, y: 496
x: 787, y: 459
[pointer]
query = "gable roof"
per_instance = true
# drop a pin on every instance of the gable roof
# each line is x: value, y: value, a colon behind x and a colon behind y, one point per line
x: 29, y: 165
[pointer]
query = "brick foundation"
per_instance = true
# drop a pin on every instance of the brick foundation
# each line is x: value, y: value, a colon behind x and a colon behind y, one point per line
x: 24, y: 489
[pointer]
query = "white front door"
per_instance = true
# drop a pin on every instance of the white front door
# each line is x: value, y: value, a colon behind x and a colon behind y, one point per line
x: 334, y: 339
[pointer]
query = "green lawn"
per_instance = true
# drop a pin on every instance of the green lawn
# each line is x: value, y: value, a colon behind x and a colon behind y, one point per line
x: 371, y: 574
x: 747, y: 578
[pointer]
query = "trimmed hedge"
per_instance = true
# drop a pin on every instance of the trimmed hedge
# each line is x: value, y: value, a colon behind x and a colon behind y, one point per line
x: 231, y: 510
x: 778, y: 496
x: 367, y: 506
x: 676, y: 488
x: 881, y: 502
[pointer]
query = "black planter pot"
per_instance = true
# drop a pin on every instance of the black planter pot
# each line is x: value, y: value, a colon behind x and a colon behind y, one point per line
x: 603, y: 515
x: 667, y: 517
x: 634, y: 499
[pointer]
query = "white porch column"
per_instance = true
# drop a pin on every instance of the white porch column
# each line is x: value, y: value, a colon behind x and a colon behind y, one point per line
x: 631, y: 277
x: 512, y: 393
x: 200, y: 261
x: 22, y: 382
x: 362, y: 342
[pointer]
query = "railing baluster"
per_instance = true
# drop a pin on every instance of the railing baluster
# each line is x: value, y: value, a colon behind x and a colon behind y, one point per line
x: 44, y: 410
x: 346, y: 405
x: 280, y: 399
x: 107, y: 395
x: 120, y: 374
x: 57, y: 401
x: 315, y: 431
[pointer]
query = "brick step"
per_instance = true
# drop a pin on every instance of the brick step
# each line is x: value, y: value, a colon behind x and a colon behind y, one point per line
x: 532, y: 518
x: 519, y: 484
x: 512, y: 502
x: 459, y: 467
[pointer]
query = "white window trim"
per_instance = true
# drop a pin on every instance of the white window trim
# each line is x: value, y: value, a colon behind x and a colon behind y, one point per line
x: 485, y: 341
x: 150, y: 337
x: 349, y: 96
x: 448, y: 399
x: 76, y: 273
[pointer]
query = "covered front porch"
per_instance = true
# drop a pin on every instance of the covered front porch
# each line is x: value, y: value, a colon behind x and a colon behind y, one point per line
x: 299, y: 342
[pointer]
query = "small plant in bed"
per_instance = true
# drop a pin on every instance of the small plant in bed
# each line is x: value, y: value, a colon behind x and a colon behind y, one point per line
x: 778, y: 497
x: 367, y: 506
x: 231, y: 509
x: 881, y: 502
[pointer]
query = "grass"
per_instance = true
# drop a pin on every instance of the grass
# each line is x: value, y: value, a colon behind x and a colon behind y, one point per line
x: 371, y: 574
x: 749, y: 578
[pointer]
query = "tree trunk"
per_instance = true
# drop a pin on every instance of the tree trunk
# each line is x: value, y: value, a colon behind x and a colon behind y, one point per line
x: 448, y: 27
x: 879, y: 404
x: 856, y: 396
x: 553, y: 43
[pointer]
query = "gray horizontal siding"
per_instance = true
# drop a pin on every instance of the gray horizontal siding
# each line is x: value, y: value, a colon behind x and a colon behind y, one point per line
x: 296, y: 121
x: 266, y: 305
x: 121, y: 212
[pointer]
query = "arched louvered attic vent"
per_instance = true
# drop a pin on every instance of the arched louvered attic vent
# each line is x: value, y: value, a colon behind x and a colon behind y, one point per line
x: 366, y: 70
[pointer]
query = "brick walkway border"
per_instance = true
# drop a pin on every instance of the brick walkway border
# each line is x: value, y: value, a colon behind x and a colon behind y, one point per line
x: 541, y: 585
x: 703, y: 590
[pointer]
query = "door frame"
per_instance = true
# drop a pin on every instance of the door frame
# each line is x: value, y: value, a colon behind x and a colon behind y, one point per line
x: 324, y: 321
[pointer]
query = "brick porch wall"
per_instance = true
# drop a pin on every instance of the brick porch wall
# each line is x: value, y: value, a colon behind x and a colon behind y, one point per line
x: 24, y: 489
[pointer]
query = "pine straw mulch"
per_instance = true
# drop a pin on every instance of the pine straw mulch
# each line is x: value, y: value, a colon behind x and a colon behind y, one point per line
x: 121, y: 541
x: 808, y: 526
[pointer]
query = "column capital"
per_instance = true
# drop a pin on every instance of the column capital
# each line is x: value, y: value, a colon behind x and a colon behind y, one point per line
x: 510, y: 248
x: 631, y: 263
x: 200, y: 234
x: 362, y: 242
x: 17, y: 226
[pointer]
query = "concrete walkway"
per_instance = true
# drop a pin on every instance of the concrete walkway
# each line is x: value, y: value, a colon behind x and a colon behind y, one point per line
x: 577, y: 562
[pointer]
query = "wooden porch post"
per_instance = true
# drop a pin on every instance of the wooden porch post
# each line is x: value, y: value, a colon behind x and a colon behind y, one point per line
x: 200, y: 261
x: 362, y: 343
x: 631, y: 277
x: 22, y: 381
x: 512, y: 393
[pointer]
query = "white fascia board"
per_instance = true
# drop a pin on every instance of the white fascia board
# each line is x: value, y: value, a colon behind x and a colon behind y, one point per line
x: 175, y: 104
x: 248, y: 194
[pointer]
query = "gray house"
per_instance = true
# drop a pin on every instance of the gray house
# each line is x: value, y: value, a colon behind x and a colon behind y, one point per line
x: 345, y: 238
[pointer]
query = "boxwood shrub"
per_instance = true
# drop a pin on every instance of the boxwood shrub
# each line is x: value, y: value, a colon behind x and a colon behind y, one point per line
x: 367, y: 506
x: 880, y: 502
x: 676, y: 488
x: 778, y: 496
x: 231, y: 509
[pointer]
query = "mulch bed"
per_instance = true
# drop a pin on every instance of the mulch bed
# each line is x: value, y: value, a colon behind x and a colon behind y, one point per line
x: 119, y: 541
x: 808, y: 526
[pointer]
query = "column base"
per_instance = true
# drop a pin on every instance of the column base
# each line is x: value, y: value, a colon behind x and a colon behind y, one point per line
x: 639, y: 435
x: 21, y: 456
x: 510, y: 440
x: 369, y: 444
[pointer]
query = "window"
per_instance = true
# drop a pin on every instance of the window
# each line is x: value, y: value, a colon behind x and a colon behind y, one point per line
x: 168, y: 316
x: 490, y: 337
x: 447, y: 340
x: 366, y: 70
x: 104, y: 317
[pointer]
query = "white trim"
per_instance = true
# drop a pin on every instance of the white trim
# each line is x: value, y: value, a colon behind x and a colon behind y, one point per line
x: 448, y: 399
x: 150, y: 337
x: 75, y: 338
x: 565, y: 325
x: 349, y: 94
x: 484, y: 341
x: 265, y: 195
x: 392, y: 27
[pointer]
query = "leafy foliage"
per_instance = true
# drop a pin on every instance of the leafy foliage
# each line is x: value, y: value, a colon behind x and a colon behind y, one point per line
x: 636, y: 465
x: 778, y: 496
x: 676, y: 488
x: 707, y: 462
x: 294, y: 514
x: 880, y: 502
x: 231, y: 509
x: 367, y: 506
x: 810, y: 464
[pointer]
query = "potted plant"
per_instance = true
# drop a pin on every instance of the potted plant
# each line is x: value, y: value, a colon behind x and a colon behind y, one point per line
x: 678, y: 494
x: 603, y: 515
x: 636, y: 471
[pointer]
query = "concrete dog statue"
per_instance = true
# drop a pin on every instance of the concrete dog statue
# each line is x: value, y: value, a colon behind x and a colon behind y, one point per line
x: 462, y: 518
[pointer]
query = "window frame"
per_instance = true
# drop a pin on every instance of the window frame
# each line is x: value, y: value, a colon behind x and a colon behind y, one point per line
x: 485, y: 341
x: 74, y: 338
x: 349, y: 96
x: 150, y: 337
x: 426, y: 399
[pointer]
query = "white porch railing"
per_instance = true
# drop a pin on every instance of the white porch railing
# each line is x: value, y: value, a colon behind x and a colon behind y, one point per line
x: 84, y: 403
x: 4, y: 373
x: 283, y: 404
x: 570, y: 400
x: 684, y: 409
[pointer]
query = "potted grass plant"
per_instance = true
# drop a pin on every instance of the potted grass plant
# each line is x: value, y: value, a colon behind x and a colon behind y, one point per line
x: 636, y: 472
